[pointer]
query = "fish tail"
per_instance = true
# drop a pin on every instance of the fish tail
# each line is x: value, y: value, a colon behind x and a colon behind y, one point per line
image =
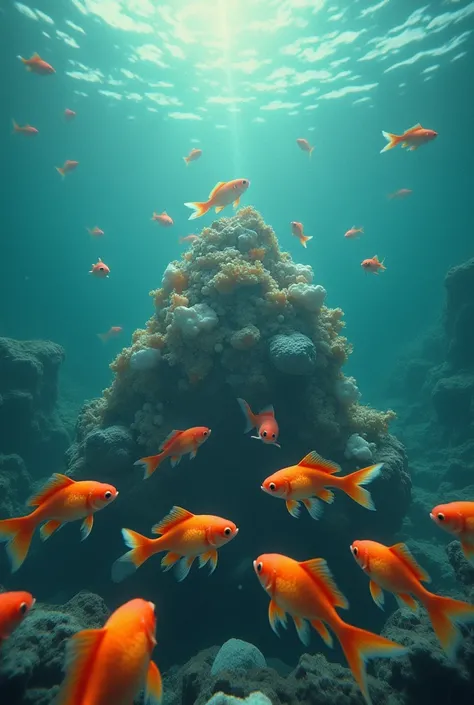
x: 16, y: 127
x: 353, y: 485
x: 102, y: 337
x: 305, y: 239
x: 17, y: 533
x: 150, y: 464
x: 446, y: 614
x: 199, y: 208
x: 60, y: 170
x: 249, y: 415
x: 359, y: 646
x: 311, y: 152
x: 392, y: 140
x: 141, y: 549
x: 186, y: 159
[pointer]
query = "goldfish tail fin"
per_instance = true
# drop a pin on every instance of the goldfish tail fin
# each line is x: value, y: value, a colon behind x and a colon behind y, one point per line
x: 392, y: 140
x: 15, y: 127
x: 353, y: 485
x: 305, y: 239
x: 248, y: 414
x: 186, y: 161
x: 81, y: 650
x: 446, y: 614
x: 128, y: 563
x: 150, y: 464
x: 102, y: 337
x: 18, y: 534
x: 60, y: 170
x: 359, y: 646
x: 198, y: 208
x: 311, y: 152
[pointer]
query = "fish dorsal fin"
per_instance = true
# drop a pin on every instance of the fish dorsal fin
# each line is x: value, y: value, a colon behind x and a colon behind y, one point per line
x: 55, y: 484
x: 318, y: 569
x: 402, y: 552
x: 169, y: 439
x: 216, y: 188
x: 176, y: 516
x: 36, y: 56
x: 164, y: 213
x: 81, y: 650
x: 314, y: 460
x: 415, y: 127
x: 267, y: 411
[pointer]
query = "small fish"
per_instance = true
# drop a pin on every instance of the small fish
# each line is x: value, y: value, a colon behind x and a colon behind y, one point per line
x: 113, y: 664
x: 354, y: 232
x: 69, y: 114
x: 185, y: 537
x: 457, y: 518
x: 401, y: 193
x: 100, y: 269
x: 175, y: 445
x: 394, y: 569
x: 14, y: 606
x: 189, y: 238
x: 37, y: 65
x: 223, y: 194
x: 192, y: 156
x: 113, y: 332
x: 95, y: 232
x: 265, y: 423
x: 307, y: 591
x: 69, y: 165
x: 308, y: 481
x: 304, y: 145
x: 297, y: 231
x: 163, y: 219
x: 28, y: 130
x: 413, y: 138
x: 61, y: 500
x: 373, y: 265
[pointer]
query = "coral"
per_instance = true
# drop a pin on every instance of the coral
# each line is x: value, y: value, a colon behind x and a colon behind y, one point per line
x: 144, y: 359
x: 194, y: 320
x: 293, y: 354
x: 358, y: 448
x: 245, y: 338
x: 307, y: 296
x: 347, y: 391
x: 236, y: 655
x: 255, y: 698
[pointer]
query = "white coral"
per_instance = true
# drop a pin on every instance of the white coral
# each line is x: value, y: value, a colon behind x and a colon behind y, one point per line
x: 195, y: 319
x: 360, y: 449
x: 307, y: 296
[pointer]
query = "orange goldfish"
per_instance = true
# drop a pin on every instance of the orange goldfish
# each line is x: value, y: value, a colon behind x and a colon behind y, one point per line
x: 95, y: 231
x: 308, y: 481
x: 457, y: 518
x: 37, y: 65
x: 112, y: 664
x: 265, y: 423
x: 14, y: 606
x: 189, y: 238
x: 393, y: 568
x: 100, y: 269
x: 69, y: 114
x: 401, y: 193
x: 163, y: 219
x: 354, y: 232
x: 27, y: 130
x: 373, y: 265
x: 223, y: 194
x: 60, y: 501
x: 175, y: 445
x: 184, y: 535
x: 69, y: 165
x: 192, y: 156
x: 113, y: 332
x: 297, y: 231
x: 413, y: 138
x: 304, y: 145
x: 307, y: 591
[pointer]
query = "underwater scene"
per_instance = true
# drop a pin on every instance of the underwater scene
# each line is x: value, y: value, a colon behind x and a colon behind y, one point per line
x: 237, y: 352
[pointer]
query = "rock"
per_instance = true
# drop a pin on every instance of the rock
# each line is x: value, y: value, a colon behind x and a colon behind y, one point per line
x: 293, y: 354
x: 235, y: 655
x: 103, y: 451
x: 453, y: 400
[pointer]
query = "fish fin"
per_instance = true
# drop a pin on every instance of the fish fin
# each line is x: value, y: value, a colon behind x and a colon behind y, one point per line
x: 414, y: 128
x: 305, y: 239
x: 128, y: 563
x: 59, y: 169
x: 236, y: 202
x: 193, y: 454
x: 412, y: 147
x: 218, y: 209
x: 16, y: 127
x: 248, y: 414
x: 216, y: 188
x: 169, y: 560
x: 322, y: 631
x: 35, y: 56
x: 293, y: 507
x: 183, y: 567
x: 326, y: 495
x: 267, y: 410
x: 446, y: 614
x: 304, y: 632
x: 318, y: 569
x: 176, y: 516
x: 175, y: 460
x: 276, y: 616
x: 172, y: 436
x: 49, y: 528
x: 186, y: 160
x: 150, y: 464
x: 102, y: 337
x: 81, y: 650
x: 392, y: 140
x: 314, y: 460
x: 403, y: 554
x: 211, y: 557
x: 314, y: 507
x: 303, y: 242
x: 154, y: 685
x: 377, y: 594
x: 86, y: 527
x: 406, y: 601
x: 164, y: 213
x: 353, y: 485
x: 198, y: 207
x: 311, y: 150
x: 56, y: 483
x: 18, y: 533
x: 467, y: 545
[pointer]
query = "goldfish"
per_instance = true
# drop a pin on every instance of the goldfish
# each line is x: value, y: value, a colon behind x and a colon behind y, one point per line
x: 265, y: 423
x: 413, y: 138
x: 189, y: 238
x: 308, y: 483
x: 297, y: 231
x: 37, y: 65
x: 112, y: 664
x: 60, y: 501
x: 354, y: 232
x: 28, y: 130
x: 307, y: 591
x: 175, y: 445
x: 457, y: 518
x: 95, y: 231
x: 163, y: 219
x: 394, y: 569
x: 69, y: 165
x: 185, y: 537
x: 304, y: 145
x: 14, y: 606
x: 401, y: 193
x: 113, y: 332
x: 100, y: 269
x: 223, y: 194
x: 69, y: 114
x: 192, y: 156
x: 373, y: 265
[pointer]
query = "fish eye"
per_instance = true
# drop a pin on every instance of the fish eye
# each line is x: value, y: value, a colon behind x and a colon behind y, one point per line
x: 264, y: 434
x: 355, y: 551
x: 227, y: 531
x: 272, y: 486
x: 101, y: 269
x: 440, y: 516
x: 108, y: 495
x: 273, y: 436
x: 259, y: 567
x: 23, y: 608
x: 205, y: 433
